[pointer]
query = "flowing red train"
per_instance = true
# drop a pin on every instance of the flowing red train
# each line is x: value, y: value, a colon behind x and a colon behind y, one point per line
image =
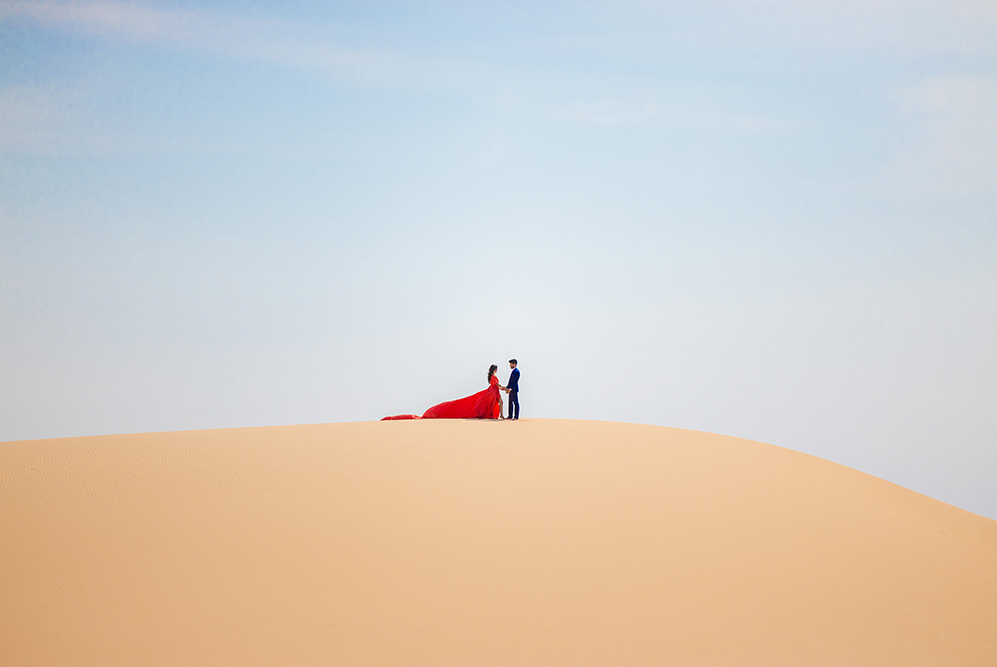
x: 485, y: 404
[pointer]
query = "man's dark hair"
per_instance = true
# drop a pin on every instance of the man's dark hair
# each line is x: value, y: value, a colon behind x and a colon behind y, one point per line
x: 513, y: 361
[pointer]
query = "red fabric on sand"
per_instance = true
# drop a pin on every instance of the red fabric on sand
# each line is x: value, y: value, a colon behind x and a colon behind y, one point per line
x: 485, y: 404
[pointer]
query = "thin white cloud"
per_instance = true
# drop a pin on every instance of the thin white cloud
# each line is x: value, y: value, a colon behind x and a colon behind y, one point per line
x: 44, y: 119
x: 954, y: 153
x: 26, y: 113
x: 29, y: 116
x: 48, y: 120
x: 896, y: 26
x: 906, y: 26
x: 617, y: 113
x: 278, y: 42
x: 697, y: 113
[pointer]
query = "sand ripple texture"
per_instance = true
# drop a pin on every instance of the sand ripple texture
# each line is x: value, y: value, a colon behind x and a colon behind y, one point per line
x: 542, y: 542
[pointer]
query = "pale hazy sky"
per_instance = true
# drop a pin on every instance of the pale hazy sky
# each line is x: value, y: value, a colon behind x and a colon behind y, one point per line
x: 775, y: 220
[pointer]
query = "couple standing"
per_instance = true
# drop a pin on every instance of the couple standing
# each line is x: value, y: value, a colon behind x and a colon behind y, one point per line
x: 512, y: 389
x: 485, y: 404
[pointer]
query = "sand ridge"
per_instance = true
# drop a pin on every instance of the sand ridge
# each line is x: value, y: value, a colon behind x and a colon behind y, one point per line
x: 433, y: 542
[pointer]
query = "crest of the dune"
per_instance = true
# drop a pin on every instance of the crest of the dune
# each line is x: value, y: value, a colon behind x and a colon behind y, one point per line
x: 432, y: 542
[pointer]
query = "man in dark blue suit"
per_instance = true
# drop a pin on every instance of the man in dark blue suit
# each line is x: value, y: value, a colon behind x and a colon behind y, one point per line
x: 513, y: 389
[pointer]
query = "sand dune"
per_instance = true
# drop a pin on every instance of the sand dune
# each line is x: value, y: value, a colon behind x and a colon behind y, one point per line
x: 543, y: 542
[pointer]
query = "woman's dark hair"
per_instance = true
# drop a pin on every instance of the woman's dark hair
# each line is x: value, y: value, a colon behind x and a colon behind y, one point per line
x: 491, y: 371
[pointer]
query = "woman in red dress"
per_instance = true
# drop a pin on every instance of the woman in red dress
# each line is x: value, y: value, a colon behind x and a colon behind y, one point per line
x: 485, y: 404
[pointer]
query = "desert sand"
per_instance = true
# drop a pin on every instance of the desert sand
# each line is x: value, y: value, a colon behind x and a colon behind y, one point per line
x: 542, y: 542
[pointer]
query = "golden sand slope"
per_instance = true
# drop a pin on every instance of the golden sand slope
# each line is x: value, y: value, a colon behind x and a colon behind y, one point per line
x: 542, y: 542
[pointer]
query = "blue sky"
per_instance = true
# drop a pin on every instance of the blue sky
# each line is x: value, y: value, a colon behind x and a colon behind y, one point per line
x: 772, y: 220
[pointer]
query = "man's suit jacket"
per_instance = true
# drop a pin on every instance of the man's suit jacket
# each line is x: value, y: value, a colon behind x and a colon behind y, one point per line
x: 514, y: 380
